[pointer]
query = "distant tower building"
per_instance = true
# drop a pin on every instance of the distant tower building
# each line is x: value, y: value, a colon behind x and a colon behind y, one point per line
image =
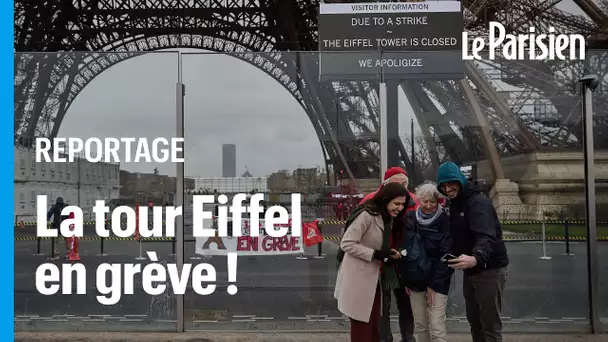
x: 229, y: 160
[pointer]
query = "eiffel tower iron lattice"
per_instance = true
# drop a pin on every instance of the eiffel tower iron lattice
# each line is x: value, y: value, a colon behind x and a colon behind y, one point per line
x: 270, y: 34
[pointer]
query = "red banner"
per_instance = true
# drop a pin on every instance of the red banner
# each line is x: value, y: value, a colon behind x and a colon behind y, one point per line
x: 312, y: 234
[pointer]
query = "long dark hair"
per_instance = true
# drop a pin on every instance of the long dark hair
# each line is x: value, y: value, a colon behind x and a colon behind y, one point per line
x: 377, y: 206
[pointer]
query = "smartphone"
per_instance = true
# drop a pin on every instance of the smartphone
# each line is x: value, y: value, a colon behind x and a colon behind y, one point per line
x: 446, y: 258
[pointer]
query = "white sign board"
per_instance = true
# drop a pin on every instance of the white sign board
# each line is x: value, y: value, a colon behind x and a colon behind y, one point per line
x: 250, y: 245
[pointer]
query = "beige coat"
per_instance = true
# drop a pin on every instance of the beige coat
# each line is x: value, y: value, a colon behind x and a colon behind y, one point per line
x: 359, y: 273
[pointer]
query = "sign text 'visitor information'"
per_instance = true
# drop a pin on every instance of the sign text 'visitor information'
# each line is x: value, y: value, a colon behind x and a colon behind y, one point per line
x: 420, y: 40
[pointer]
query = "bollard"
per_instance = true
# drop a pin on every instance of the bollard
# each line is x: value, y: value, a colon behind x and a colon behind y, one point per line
x: 101, y: 253
x: 545, y: 257
x: 173, y: 247
x: 195, y: 256
x: 38, y: 246
x: 320, y: 254
x: 567, y: 238
x: 54, y: 254
x: 140, y: 257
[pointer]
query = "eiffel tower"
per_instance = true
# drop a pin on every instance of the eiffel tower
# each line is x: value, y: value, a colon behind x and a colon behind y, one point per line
x: 45, y: 87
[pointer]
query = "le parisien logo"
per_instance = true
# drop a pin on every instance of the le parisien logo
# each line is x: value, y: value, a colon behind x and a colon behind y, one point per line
x: 531, y: 46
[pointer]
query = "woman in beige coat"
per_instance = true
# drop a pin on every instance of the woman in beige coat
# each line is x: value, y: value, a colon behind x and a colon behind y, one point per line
x: 366, y: 262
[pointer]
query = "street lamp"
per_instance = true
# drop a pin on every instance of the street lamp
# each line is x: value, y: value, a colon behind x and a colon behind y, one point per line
x: 588, y: 84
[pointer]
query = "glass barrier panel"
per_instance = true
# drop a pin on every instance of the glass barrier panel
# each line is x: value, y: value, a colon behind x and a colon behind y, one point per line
x: 513, y: 130
x: 116, y: 105
x: 596, y: 65
x: 503, y: 137
x: 267, y: 123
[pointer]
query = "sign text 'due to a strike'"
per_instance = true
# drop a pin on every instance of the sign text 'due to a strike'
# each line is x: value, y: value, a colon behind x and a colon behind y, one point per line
x: 439, y: 22
x: 392, y: 7
x: 389, y: 21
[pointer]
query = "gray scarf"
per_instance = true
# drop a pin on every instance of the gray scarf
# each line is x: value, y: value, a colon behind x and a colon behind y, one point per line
x: 425, y: 220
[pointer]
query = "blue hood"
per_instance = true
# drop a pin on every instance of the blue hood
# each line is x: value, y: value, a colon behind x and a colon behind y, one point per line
x: 449, y: 172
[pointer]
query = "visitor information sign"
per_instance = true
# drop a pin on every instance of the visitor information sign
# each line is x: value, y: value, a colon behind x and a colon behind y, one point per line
x: 415, y: 40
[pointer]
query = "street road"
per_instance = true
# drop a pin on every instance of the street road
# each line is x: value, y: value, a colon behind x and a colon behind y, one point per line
x: 277, y: 292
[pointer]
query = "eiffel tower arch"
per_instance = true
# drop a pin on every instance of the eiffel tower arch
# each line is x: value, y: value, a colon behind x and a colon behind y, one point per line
x: 270, y: 34
x: 261, y: 33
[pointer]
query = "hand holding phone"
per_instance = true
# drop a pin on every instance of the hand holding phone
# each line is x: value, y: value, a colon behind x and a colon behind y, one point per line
x: 446, y: 258
x: 395, y: 254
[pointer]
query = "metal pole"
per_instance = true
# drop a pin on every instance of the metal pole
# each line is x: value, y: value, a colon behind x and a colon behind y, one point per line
x: 54, y: 253
x: 320, y: 254
x: 79, y: 179
x: 567, y: 238
x: 592, y: 254
x: 413, y: 155
x: 179, y: 196
x: 101, y: 253
x: 172, y: 247
x: 140, y: 257
x: 545, y: 257
x: 383, y: 130
x: 38, y: 246
x: 320, y: 250
x: 302, y: 255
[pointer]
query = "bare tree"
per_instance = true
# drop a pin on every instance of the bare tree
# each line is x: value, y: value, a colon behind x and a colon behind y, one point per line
x: 422, y: 157
x: 307, y: 178
x: 279, y: 181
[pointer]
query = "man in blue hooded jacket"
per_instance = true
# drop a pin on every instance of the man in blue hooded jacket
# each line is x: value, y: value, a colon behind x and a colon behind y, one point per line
x: 480, y: 250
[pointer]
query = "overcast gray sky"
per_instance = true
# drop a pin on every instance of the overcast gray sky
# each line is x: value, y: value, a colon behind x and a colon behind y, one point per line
x: 227, y: 101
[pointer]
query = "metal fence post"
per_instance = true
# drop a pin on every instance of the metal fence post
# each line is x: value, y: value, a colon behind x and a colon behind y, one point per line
x: 588, y: 84
x: 179, y: 191
x: 38, y: 246
x: 567, y: 238
x: 101, y: 253
x: 173, y: 246
x: 544, y: 257
x: 320, y: 254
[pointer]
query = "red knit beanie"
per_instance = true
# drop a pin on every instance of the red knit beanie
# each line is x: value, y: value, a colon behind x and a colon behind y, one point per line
x: 395, y: 170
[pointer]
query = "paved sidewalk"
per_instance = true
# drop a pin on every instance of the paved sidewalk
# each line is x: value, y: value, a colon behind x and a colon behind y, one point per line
x: 266, y: 337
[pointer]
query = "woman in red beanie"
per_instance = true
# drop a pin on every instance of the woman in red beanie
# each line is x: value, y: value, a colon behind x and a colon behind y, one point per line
x: 394, y: 174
